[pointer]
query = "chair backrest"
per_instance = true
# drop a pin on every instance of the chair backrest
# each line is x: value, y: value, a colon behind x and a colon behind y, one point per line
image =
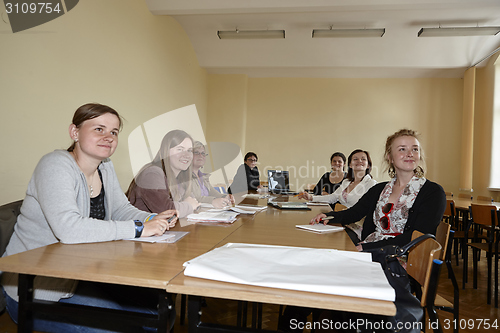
x: 465, y: 196
x: 448, y: 194
x: 481, y: 214
x: 483, y: 198
x: 339, y: 207
x: 449, y: 212
x: 442, y: 237
x: 419, y: 263
x: 8, y: 218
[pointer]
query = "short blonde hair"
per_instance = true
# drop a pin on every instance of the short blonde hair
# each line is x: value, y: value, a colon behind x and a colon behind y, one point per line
x: 388, y: 148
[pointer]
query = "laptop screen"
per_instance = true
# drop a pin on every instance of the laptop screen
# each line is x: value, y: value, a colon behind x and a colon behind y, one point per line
x: 278, y: 181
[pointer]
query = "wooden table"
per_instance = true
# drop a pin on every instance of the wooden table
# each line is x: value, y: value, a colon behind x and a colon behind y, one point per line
x: 275, y: 227
x: 159, y: 266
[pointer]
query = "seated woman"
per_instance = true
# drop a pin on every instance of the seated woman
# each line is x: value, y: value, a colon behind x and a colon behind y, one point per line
x: 74, y: 197
x: 392, y: 210
x: 332, y: 180
x: 165, y: 183
x: 247, y: 176
x: 395, y: 209
x: 357, y: 182
x: 203, y: 191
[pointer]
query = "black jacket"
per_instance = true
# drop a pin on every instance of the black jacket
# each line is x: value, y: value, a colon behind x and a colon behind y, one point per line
x: 424, y: 216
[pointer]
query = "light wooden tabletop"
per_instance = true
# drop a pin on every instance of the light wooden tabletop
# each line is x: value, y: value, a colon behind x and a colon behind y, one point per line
x: 462, y: 203
x: 160, y: 265
x: 277, y: 227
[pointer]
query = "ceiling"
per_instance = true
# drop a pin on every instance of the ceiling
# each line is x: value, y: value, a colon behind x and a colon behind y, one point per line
x: 398, y: 54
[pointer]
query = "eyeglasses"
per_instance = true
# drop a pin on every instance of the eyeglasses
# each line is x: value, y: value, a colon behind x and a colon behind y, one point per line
x: 199, y: 153
x: 252, y: 160
x: 385, y: 222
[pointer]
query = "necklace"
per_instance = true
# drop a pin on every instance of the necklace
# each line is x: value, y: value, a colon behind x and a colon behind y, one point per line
x: 91, y: 188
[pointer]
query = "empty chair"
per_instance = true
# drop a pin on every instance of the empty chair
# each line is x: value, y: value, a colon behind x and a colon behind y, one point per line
x: 482, y: 216
x: 423, y: 266
x: 444, y: 236
x: 484, y: 198
x: 449, y: 194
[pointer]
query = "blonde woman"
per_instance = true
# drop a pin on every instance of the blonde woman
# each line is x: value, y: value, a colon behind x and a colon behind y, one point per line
x: 166, y: 182
x: 406, y: 203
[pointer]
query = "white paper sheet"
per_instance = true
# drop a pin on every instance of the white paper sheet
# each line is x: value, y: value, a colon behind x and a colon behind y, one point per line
x: 319, y: 228
x: 315, y: 270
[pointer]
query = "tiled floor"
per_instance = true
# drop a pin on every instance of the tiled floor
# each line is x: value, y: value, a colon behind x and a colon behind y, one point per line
x: 474, y: 312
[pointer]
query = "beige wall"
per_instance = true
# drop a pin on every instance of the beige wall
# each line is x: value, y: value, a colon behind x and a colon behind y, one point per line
x: 113, y: 52
x: 483, y: 119
x: 297, y: 123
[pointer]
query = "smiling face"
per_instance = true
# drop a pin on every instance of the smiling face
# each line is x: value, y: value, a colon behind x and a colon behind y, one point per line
x: 199, y: 157
x: 405, y: 154
x: 337, y: 163
x: 359, y: 162
x: 181, y: 156
x: 97, y: 138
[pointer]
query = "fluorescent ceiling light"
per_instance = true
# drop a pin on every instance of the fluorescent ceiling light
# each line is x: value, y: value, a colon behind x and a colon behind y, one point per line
x: 464, y: 31
x: 347, y: 33
x: 251, y: 34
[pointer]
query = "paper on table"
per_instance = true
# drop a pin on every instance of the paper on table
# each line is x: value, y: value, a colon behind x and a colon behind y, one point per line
x: 313, y: 203
x: 320, y: 228
x: 167, y: 237
x: 314, y: 270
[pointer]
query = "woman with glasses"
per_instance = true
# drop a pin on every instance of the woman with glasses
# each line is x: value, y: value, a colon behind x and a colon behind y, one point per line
x: 165, y: 183
x: 332, y: 180
x: 247, y: 176
x: 394, y: 209
x: 203, y: 191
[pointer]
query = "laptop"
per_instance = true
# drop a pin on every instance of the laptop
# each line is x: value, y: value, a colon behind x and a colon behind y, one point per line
x: 279, y: 182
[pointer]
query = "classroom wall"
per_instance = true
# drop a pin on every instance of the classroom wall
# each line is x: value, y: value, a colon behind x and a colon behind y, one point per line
x: 483, y: 121
x: 297, y: 123
x: 113, y: 52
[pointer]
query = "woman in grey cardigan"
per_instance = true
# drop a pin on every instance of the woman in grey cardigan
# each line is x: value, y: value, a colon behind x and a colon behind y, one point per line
x: 74, y: 197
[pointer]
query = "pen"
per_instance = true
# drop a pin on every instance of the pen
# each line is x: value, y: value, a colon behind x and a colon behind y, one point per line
x: 172, y: 218
x: 327, y: 218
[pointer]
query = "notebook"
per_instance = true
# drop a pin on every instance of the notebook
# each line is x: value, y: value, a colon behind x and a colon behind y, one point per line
x: 320, y: 228
x: 279, y: 182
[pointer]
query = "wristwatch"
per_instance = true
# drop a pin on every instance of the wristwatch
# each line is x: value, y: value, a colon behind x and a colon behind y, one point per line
x: 138, y: 228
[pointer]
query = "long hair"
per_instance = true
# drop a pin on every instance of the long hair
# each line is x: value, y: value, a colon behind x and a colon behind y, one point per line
x: 350, y: 171
x: 162, y: 160
x: 91, y: 111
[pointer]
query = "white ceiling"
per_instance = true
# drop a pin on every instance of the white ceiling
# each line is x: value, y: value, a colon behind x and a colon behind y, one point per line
x: 398, y: 54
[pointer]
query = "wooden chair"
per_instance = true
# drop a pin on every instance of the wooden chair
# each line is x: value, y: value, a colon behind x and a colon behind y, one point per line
x: 444, y: 236
x: 448, y: 194
x: 484, y: 198
x: 482, y: 216
x: 423, y: 266
x: 465, y: 196
x: 8, y: 218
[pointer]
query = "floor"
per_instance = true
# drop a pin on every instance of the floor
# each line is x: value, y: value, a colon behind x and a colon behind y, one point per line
x: 475, y: 314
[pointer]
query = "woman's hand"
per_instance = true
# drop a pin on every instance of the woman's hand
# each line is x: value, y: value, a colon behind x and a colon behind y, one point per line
x: 305, y: 195
x: 223, y: 202
x: 193, y: 202
x: 160, y: 223
x: 317, y: 218
x: 220, y: 202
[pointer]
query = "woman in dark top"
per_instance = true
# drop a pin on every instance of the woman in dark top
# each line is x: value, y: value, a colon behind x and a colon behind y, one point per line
x: 331, y: 180
x: 395, y: 209
x: 247, y: 176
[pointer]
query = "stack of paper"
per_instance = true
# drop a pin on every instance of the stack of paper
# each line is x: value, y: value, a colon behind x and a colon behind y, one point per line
x: 320, y: 228
x: 218, y: 216
x: 251, y: 207
x: 315, y: 270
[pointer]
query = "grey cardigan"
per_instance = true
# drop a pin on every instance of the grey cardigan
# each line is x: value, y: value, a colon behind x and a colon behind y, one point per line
x: 57, y: 208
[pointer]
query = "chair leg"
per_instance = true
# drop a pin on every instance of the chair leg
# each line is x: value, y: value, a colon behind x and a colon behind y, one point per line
x: 488, y: 288
x: 474, y: 268
x: 465, y: 264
